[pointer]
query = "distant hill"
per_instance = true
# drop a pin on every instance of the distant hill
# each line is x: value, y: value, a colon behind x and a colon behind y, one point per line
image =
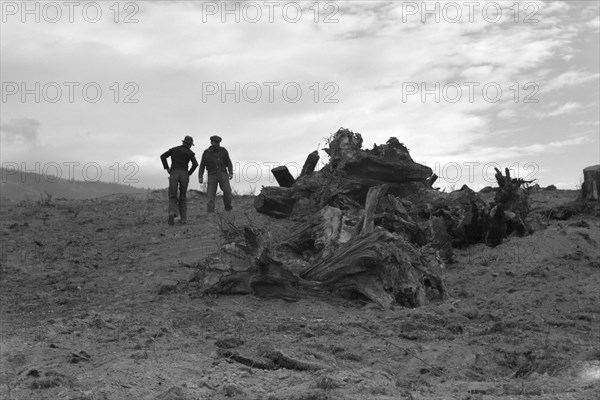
x: 32, y: 186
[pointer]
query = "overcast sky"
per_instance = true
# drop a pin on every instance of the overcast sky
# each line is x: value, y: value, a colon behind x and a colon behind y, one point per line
x: 465, y: 85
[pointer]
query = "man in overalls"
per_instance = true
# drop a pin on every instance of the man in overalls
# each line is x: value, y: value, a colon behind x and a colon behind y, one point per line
x: 220, y: 170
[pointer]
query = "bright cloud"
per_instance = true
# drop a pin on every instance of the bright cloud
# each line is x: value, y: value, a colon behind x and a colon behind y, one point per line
x: 449, y: 90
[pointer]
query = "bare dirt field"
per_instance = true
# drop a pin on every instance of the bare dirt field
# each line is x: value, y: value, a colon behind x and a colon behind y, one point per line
x: 97, y: 304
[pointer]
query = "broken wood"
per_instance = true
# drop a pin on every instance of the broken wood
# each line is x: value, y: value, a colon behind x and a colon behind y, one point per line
x: 380, y: 267
x: 283, y: 176
x: 284, y: 361
x: 270, y: 359
x: 320, y: 234
x: 431, y: 180
x: 310, y: 164
x: 347, y: 177
x: 266, y: 278
x: 274, y: 201
x: 373, y: 196
x: 252, y: 362
x: 511, y: 194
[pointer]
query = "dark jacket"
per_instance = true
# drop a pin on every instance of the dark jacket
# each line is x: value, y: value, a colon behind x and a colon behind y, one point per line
x: 180, y: 158
x: 216, y: 161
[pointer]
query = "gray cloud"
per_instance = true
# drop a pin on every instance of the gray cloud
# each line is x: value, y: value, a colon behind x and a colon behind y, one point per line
x: 25, y: 129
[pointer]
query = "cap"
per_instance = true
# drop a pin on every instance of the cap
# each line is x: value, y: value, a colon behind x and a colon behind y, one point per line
x: 189, y: 140
x: 215, y: 139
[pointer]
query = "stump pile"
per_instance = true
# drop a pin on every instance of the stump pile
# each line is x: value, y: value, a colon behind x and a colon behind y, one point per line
x: 369, y: 225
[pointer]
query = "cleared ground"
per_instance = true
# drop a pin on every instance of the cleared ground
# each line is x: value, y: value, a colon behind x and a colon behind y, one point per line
x: 96, y: 305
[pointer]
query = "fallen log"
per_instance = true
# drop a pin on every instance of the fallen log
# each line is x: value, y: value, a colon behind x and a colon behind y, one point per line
x: 356, y: 189
x: 369, y: 167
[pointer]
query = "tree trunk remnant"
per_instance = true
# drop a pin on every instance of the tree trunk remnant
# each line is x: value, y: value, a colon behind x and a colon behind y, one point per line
x: 431, y: 180
x: 283, y: 176
x: 591, y: 183
x: 310, y: 164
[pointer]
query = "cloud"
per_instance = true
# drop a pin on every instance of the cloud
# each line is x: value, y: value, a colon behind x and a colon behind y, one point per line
x: 569, y: 78
x: 594, y: 24
x: 21, y: 129
x: 510, y: 155
x: 369, y: 54
x: 566, y: 108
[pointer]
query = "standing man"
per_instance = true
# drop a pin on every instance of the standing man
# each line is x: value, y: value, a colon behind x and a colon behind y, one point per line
x: 220, y: 170
x: 179, y: 177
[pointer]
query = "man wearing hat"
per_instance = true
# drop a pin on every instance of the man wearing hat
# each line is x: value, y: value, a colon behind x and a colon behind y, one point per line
x: 220, y: 170
x: 179, y: 177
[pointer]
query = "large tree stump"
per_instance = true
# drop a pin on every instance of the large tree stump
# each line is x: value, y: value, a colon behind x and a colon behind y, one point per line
x: 591, y: 183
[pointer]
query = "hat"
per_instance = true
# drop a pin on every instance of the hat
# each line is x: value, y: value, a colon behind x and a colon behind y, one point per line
x: 189, y: 140
x: 215, y: 139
